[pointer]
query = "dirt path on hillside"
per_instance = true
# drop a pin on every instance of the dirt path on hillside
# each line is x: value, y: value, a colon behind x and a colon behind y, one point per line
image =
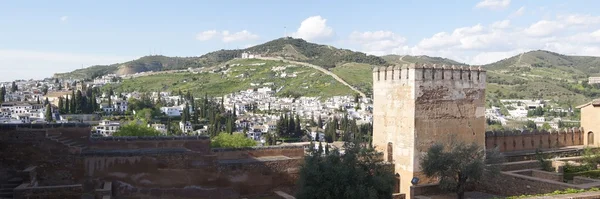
x: 318, y: 68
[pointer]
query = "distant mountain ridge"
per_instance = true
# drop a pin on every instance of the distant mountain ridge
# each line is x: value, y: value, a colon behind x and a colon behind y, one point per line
x: 287, y: 48
x: 531, y: 75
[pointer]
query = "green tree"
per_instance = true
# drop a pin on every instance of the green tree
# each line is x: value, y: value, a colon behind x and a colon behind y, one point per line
x: 530, y: 125
x: 45, y: 89
x: 460, y: 165
x: 2, y: 94
x: 13, y: 87
x: 67, y: 105
x: 546, y: 126
x: 136, y: 128
x: 146, y: 114
x: 48, y: 114
x: 236, y: 140
x: 358, y: 173
x: 61, y: 105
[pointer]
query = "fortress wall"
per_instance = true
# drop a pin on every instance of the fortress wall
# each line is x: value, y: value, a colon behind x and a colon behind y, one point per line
x: 510, y: 141
x: 193, y: 143
x: 255, y: 152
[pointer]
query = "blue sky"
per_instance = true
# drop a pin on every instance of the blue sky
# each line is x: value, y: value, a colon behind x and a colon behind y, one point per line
x: 39, y: 38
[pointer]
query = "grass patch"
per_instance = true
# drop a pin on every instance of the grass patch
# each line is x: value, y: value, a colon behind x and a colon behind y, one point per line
x: 308, y: 81
x: 557, y: 192
x: 356, y: 74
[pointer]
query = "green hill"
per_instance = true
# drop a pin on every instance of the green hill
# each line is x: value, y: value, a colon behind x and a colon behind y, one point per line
x: 406, y: 59
x: 532, y: 75
x: 544, y: 75
x: 288, y: 48
x: 143, y: 64
x: 239, y: 75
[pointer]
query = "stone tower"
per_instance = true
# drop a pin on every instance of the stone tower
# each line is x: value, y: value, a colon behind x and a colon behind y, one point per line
x: 415, y: 106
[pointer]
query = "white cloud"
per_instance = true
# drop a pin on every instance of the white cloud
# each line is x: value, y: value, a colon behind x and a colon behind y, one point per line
x: 243, y: 35
x: 501, y: 24
x: 493, y: 4
x: 543, y: 28
x: 376, y: 42
x: 578, y: 19
x: 64, y: 18
x: 226, y: 36
x: 206, y: 35
x: 487, y: 43
x: 314, y: 29
x: 25, y: 64
x: 518, y: 13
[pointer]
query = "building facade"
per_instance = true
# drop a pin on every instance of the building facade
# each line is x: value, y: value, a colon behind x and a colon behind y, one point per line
x: 590, y: 121
x: 416, y: 106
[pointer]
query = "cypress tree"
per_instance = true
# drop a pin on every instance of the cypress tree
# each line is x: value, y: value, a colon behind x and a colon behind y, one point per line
x: 2, y: 94
x: 320, y: 122
x: 72, y: 107
x: 298, y: 129
x: 61, y: 105
x: 48, y: 115
x: 38, y: 100
x: 45, y: 102
x: 67, y: 105
x: 13, y: 87
x: 291, y: 126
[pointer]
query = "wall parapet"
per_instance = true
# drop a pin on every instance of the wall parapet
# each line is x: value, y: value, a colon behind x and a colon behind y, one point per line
x: 148, y: 138
x: 132, y: 152
x: 257, y: 148
x: 42, y: 126
x: 508, y: 141
x: 429, y: 72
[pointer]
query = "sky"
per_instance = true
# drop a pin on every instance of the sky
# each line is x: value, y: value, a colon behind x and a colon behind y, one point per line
x: 40, y: 38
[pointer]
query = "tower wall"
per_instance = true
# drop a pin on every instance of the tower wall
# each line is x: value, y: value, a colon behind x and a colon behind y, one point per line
x: 416, y: 106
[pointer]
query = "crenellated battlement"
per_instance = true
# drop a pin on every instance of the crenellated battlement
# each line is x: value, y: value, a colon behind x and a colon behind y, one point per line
x: 429, y: 72
x: 508, y: 141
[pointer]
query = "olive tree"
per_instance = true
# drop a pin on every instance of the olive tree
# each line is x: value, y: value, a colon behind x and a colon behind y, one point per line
x: 359, y: 172
x: 459, y: 165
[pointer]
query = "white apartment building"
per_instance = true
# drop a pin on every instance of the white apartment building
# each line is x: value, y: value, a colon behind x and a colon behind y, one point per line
x: 107, y: 128
x: 171, y: 111
x: 186, y: 127
x: 162, y: 128
x: 594, y: 80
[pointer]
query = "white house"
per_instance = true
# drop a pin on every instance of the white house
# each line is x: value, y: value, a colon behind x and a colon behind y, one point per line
x: 107, y: 128
x: 187, y: 127
x: 162, y: 128
x: 255, y: 132
x: 171, y: 111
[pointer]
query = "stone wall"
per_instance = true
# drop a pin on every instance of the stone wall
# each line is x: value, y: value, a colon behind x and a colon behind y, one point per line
x: 43, y: 192
x: 163, y: 173
x: 513, y: 184
x: 244, y: 153
x: 193, y: 143
x: 509, y: 141
x: 554, y: 176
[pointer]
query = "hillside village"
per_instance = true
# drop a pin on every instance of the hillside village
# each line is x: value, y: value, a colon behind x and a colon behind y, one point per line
x: 257, y: 108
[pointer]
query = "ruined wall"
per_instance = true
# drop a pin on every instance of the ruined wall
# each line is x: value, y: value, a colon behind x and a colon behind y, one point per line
x: 167, y: 173
x: 415, y: 106
x: 22, y: 146
x: 193, y: 143
x: 254, y: 152
x: 63, y: 192
x: 511, y: 141
x: 510, y: 184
